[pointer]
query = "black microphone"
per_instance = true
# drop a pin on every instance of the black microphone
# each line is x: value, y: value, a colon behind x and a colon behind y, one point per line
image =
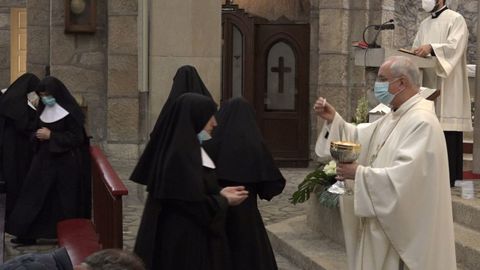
x: 386, y: 25
x: 389, y: 26
x: 381, y: 27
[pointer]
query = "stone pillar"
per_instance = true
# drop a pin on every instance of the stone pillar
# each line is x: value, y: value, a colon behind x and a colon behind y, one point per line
x: 38, y: 36
x: 314, y: 67
x: 340, y: 23
x: 122, y: 82
x: 476, y: 130
x: 186, y: 32
x: 339, y: 80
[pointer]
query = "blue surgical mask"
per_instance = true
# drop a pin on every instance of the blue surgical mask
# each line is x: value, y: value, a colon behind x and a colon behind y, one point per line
x: 48, y: 101
x: 203, y: 136
x: 380, y: 89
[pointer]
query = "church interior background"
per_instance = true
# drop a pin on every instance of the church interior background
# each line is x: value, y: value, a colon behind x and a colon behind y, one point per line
x: 280, y: 55
x: 122, y: 71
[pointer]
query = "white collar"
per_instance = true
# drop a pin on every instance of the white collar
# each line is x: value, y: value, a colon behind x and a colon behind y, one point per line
x: 53, y: 113
x: 206, y: 160
x: 31, y: 105
x: 4, y: 90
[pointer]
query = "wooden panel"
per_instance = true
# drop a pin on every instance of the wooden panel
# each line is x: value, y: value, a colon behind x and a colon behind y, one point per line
x: 285, y: 142
x: 284, y: 131
x: 18, y: 46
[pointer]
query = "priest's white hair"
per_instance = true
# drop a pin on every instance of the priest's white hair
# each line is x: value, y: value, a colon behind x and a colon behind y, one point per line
x: 402, y: 66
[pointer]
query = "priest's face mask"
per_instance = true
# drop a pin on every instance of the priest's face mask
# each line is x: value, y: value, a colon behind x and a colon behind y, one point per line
x: 430, y: 5
x: 385, y: 89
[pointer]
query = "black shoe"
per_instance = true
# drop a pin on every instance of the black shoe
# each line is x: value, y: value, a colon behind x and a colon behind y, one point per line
x: 23, y: 241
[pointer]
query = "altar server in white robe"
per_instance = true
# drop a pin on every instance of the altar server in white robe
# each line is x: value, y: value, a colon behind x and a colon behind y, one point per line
x: 400, y: 216
x: 444, y: 34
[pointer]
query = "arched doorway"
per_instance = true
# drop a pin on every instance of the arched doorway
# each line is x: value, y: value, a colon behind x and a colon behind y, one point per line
x: 267, y: 63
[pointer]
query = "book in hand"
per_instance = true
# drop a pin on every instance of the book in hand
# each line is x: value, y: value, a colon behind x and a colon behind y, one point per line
x: 411, y: 52
x: 407, y: 51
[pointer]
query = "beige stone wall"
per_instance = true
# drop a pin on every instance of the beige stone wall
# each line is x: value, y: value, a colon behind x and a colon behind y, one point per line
x: 79, y: 60
x: 184, y: 32
x: 101, y: 67
x: 293, y: 9
x: 123, y: 116
x: 5, y: 6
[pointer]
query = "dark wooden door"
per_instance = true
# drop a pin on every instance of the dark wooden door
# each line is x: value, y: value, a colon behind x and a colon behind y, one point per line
x: 282, y: 90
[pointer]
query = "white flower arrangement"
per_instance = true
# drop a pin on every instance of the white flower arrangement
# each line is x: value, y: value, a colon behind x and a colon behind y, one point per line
x: 330, y: 168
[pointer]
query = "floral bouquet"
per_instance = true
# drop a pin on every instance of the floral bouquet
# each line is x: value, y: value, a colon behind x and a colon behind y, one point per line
x: 318, y: 181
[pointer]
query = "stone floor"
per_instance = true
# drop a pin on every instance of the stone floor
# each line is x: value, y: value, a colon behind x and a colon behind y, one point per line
x: 273, y: 211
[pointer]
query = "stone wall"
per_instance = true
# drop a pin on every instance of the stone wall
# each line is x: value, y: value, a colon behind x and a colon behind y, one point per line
x: 183, y: 33
x: 100, y: 67
x: 296, y: 10
x: 78, y: 60
x: 122, y: 85
x: 339, y: 80
x: 5, y: 6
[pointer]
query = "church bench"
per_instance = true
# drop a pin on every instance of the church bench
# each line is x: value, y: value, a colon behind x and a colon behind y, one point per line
x: 82, y: 237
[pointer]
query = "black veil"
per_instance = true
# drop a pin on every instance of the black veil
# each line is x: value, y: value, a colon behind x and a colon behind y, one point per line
x: 62, y: 96
x: 173, y: 168
x: 239, y: 152
x: 186, y: 80
x: 13, y: 103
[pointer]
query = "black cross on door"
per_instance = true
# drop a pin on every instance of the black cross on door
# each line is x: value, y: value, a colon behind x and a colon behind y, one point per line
x: 281, y: 69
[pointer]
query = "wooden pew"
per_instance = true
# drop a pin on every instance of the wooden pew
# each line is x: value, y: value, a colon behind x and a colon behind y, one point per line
x: 82, y: 237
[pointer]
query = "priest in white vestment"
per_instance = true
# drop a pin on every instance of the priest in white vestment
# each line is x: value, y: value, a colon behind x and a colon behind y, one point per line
x: 400, y: 213
x: 444, y: 34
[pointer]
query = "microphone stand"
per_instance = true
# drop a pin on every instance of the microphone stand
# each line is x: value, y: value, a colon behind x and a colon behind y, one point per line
x: 386, y: 25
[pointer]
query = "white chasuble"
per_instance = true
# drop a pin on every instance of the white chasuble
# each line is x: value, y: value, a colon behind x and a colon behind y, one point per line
x: 401, y: 208
x: 448, y: 36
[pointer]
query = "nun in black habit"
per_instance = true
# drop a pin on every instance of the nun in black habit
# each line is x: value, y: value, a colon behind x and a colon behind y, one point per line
x: 182, y: 227
x: 18, y: 119
x: 57, y: 185
x: 242, y: 158
x: 186, y: 80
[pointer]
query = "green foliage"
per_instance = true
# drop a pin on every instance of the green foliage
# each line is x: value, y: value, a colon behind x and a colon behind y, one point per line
x: 317, y: 181
x: 361, y: 113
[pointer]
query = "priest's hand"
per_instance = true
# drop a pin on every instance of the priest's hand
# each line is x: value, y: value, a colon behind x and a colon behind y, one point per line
x: 324, y: 109
x: 234, y: 195
x: 423, y: 50
x: 43, y: 134
x: 346, y: 171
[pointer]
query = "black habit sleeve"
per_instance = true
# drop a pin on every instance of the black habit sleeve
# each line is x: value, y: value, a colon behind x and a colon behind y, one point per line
x: 210, y: 212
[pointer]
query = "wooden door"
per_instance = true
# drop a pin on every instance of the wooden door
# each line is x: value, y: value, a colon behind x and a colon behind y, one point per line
x: 281, y: 94
x: 237, y: 53
x: 18, y: 37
